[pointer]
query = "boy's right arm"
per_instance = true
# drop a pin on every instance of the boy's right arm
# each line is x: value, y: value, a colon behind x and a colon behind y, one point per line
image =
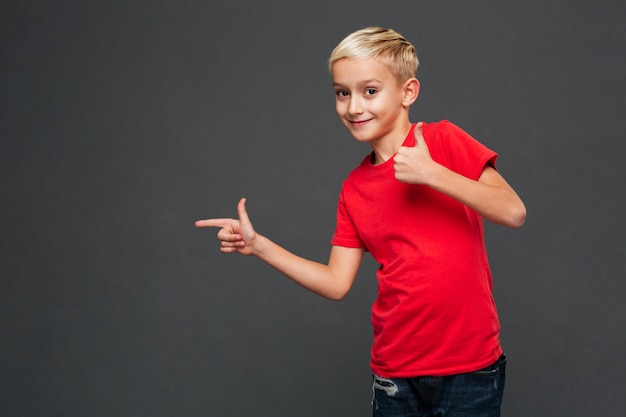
x: 332, y: 280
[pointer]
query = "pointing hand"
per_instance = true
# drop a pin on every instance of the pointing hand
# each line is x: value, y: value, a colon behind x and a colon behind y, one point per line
x: 236, y: 235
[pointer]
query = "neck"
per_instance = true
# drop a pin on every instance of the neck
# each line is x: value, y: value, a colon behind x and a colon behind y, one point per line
x: 387, y: 146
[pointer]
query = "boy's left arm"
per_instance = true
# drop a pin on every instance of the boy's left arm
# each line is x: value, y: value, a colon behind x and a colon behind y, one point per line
x: 490, y: 196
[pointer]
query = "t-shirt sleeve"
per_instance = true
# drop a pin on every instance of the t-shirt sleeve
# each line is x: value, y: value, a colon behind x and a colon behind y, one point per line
x: 464, y: 154
x: 345, y: 231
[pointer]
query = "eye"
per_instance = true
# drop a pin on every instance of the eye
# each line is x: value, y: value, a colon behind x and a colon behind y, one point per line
x: 341, y: 93
x: 370, y: 91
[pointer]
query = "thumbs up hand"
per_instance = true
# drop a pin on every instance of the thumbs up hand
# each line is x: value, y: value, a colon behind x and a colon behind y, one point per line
x: 414, y: 165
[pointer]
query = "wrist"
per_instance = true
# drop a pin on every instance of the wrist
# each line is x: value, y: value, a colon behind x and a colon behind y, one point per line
x: 258, y: 246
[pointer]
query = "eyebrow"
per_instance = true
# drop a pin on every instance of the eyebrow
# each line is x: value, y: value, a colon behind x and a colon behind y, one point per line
x: 361, y: 83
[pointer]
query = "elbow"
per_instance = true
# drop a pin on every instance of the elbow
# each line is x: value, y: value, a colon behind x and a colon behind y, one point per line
x: 513, y: 216
x: 338, y: 293
x: 516, y: 217
x: 517, y: 223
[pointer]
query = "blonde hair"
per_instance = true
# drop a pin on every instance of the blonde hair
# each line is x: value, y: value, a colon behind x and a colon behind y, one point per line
x: 385, y: 45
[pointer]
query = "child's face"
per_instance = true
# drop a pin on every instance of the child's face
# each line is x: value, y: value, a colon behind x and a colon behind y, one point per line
x: 369, y: 100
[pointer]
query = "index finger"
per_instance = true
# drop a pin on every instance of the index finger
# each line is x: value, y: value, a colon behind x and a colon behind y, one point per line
x: 213, y: 222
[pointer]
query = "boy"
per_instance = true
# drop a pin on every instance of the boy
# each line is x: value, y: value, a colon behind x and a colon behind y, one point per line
x: 415, y: 203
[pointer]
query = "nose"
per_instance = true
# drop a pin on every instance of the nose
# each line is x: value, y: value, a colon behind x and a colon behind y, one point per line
x: 355, y: 105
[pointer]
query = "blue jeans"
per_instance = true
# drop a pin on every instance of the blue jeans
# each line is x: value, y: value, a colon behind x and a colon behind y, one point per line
x: 474, y: 394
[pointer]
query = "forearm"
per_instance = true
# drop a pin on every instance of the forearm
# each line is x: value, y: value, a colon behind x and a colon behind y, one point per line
x: 327, y: 281
x: 332, y: 281
x: 490, y: 196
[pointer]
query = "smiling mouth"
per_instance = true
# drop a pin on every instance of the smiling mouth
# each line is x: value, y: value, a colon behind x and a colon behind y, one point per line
x: 357, y: 123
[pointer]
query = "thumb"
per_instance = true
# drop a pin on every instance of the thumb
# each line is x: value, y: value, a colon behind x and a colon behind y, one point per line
x: 241, y: 210
x: 419, y: 135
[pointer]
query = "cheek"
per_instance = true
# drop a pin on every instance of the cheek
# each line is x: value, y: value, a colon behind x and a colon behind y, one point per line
x: 380, y: 104
x: 340, y: 108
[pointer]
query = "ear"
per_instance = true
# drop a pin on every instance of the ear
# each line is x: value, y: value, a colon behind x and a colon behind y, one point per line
x: 411, y: 90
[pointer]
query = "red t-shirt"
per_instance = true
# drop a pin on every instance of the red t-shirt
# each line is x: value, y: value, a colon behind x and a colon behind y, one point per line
x: 435, y: 314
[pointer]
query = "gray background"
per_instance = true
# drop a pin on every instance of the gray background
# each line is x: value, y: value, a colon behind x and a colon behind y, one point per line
x: 123, y: 122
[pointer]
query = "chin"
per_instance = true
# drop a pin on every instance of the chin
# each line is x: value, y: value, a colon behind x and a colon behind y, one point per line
x: 361, y: 137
